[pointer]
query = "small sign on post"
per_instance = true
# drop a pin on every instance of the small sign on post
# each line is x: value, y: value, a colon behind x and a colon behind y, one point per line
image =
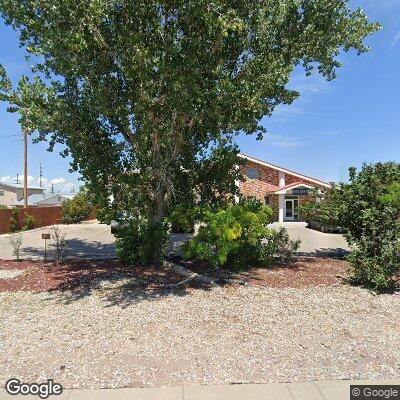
x: 45, y: 237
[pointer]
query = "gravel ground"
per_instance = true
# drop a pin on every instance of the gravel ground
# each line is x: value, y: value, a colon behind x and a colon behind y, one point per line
x: 225, y: 335
x: 10, y: 274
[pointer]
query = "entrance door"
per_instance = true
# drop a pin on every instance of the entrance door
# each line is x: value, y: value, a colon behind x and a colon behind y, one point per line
x: 291, y: 213
x: 289, y: 210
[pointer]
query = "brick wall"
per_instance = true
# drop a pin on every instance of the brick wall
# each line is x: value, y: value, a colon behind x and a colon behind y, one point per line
x: 267, y: 178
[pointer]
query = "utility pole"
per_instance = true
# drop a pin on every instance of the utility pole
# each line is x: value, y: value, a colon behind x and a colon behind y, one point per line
x: 40, y: 174
x: 17, y: 180
x: 25, y: 168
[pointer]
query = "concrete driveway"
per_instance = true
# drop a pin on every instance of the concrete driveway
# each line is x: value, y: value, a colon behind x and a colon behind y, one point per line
x: 88, y: 240
x: 94, y: 240
x: 315, y: 242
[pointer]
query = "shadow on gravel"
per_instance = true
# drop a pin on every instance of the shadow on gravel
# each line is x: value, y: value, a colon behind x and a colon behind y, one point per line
x: 114, y: 282
x: 76, y: 248
x: 336, y: 253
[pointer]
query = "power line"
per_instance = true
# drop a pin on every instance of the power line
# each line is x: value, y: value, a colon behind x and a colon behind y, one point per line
x: 5, y: 137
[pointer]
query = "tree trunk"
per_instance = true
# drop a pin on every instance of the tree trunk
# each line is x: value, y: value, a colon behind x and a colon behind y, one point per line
x: 156, y: 234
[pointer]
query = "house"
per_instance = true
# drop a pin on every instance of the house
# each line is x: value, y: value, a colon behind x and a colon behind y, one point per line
x: 10, y: 194
x: 278, y: 187
x: 45, y: 200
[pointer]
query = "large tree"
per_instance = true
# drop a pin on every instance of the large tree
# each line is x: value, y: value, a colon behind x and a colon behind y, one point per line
x: 148, y: 95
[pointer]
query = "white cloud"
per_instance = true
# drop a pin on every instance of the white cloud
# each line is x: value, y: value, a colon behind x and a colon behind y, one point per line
x: 10, y: 179
x: 6, y: 179
x: 283, y: 141
x: 57, y: 181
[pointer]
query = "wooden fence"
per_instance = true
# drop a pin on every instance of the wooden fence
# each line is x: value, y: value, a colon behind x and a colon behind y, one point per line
x: 44, y: 216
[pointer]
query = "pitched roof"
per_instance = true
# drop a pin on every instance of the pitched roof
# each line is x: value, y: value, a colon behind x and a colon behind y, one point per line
x: 283, y: 189
x: 285, y: 170
x: 38, y: 197
x: 20, y: 186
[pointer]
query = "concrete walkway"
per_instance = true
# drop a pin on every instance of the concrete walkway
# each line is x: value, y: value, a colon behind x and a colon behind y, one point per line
x: 323, y: 390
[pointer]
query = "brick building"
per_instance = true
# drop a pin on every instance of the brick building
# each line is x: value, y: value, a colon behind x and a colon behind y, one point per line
x: 279, y: 187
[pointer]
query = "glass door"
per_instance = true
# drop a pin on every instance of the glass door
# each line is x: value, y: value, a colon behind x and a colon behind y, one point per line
x: 289, y: 210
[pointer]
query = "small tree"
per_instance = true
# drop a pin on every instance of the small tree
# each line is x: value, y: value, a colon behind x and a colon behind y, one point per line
x: 57, y: 243
x: 76, y: 210
x: 16, y: 243
x: 147, y: 96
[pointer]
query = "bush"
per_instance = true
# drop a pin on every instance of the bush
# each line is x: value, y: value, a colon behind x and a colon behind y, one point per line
x: 76, y: 210
x: 14, y: 221
x: 135, y: 242
x: 237, y: 236
x: 182, y: 219
x: 369, y: 214
x: 29, y: 223
x: 57, y: 243
x: 324, y: 211
x: 16, y: 243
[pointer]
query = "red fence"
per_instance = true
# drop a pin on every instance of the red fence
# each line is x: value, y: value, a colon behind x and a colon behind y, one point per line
x: 44, y: 216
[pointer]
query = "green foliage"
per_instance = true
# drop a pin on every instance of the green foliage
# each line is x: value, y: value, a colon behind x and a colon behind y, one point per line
x: 183, y: 218
x: 237, y: 236
x: 152, y: 119
x: 135, y: 242
x: 368, y: 212
x: 2, y: 207
x: 76, y: 210
x: 29, y: 222
x: 279, y: 248
x: 14, y: 220
x: 325, y: 210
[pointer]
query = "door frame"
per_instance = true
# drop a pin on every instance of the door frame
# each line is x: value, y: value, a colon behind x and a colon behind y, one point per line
x: 292, y: 218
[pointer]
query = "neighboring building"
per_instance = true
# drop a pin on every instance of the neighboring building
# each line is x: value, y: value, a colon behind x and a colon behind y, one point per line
x: 11, y: 194
x: 45, y: 200
x: 279, y: 187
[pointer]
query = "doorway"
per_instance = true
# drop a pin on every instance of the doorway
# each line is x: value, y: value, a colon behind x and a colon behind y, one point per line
x: 291, y: 213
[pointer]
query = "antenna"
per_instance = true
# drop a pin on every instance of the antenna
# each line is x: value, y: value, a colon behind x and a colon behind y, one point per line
x: 17, y: 181
x: 52, y: 188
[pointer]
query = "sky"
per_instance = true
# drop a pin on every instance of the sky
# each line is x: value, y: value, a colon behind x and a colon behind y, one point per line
x: 332, y: 126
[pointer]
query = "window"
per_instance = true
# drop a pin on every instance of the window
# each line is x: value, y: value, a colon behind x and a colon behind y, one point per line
x: 1, y: 192
x: 252, y: 173
x: 267, y: 200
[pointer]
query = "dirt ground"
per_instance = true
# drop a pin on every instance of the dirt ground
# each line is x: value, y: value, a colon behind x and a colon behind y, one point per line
x: 103, y: 324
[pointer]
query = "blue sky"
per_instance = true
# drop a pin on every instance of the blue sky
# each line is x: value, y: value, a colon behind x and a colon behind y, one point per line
x: 333, y: 125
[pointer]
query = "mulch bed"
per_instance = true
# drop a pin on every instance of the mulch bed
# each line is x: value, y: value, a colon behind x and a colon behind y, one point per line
x: 80, y: 275
x: 83, y: 275
x: 299, y: 273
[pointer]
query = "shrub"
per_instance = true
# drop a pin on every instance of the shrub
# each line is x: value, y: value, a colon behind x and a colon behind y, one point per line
x: 76, y: 210
x: 134, y: 242
x: 324, y: 211
x: 29, y: 222
x: 278, y: 248
x: 369, y: 214
x: 14, y: 221
x: 57, y: 243
x: 182, y: 219
x: 237, y: 236
x: 16, y: 243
